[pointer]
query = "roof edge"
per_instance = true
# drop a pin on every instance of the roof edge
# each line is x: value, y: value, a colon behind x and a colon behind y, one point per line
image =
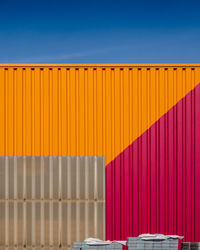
x: 102, y: 65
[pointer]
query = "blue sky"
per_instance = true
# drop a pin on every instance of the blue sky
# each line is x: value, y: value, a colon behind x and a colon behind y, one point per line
x: 100, y: 31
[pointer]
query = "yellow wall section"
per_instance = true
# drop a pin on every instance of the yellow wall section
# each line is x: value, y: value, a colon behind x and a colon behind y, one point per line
x: 85, y: 110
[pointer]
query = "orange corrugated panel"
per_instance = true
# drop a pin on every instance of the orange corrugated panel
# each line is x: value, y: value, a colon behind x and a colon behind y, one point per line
x: 84, y: 109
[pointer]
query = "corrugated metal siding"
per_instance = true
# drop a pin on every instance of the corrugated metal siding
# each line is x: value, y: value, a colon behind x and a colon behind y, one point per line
x: 51, y: 201
x: 157, y: 177
x: 103, y: 110
x: 85, y: 110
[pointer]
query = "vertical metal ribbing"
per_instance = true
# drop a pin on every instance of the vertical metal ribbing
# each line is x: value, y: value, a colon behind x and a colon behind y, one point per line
x: 24, y: 178
x: 6, y: 223
x: 15, y: 203
x: 6, y: 202
x: 104, y: 222
x: 103, y: 184
x: 69, y: 224
x: 50, y: 223
x: 60, y: 223
x: 50, y: 203
x: 86, y: 196
x: 15, y: 177
x: 42, y: 178
x: 51, y: 178
x: 86, y: 220
x: 69, y: 110
x: 77, y: 178
x: 60, y: 204
x: 95, y: 196
x: 33, y: 239
x: 95, y: 219
x: 6, y: 178
x: 24, y: 238
x: 15, y: 223
x: 42, y: 228
x: 48, y: 216
x: 78, y: 220
x: 69, y: 196
x: 69, y: 191
x: 77, y: 197
x: 95, y: 179
x: 59, y: 177
x: 42, y: 220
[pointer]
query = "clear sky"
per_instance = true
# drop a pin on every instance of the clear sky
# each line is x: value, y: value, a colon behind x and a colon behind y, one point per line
x: 100, y: 31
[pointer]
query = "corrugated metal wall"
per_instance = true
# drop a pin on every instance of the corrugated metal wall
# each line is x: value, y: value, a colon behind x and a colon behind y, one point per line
x: 51, y: 201
x: 107, y: 110
x: 157, y: 177
x: 85, y: 110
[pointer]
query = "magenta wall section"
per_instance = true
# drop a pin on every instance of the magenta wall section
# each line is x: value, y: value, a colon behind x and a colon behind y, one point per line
x: 154, y: 184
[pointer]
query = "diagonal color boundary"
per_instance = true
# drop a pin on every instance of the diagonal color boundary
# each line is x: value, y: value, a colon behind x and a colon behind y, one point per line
x: 153, y: 185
